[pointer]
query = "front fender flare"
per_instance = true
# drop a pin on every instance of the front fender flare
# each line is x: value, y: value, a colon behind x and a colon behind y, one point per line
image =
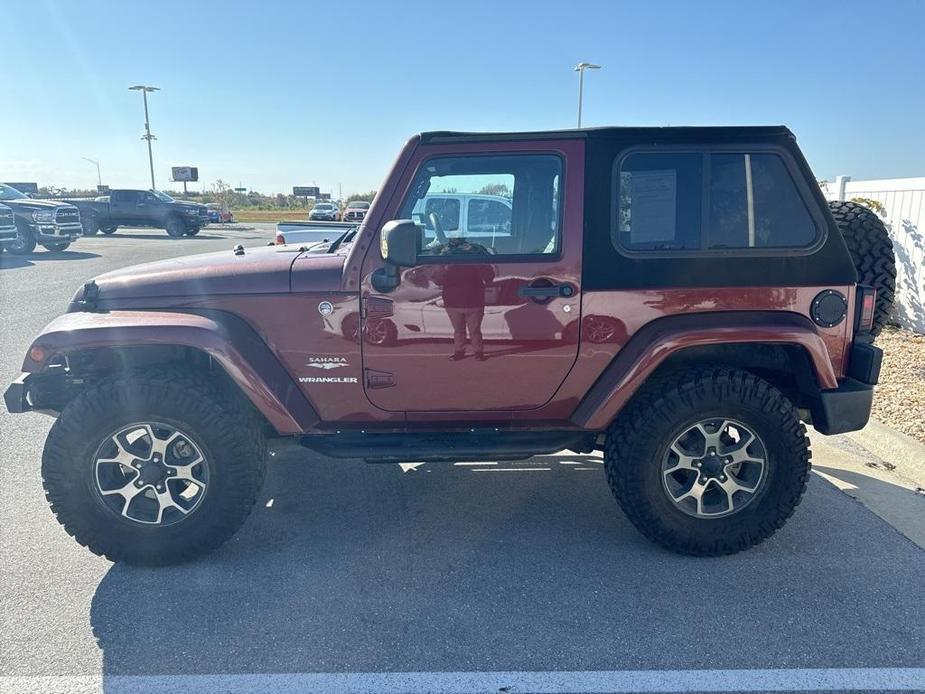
x: 658, y: 340
x: 230, y: 341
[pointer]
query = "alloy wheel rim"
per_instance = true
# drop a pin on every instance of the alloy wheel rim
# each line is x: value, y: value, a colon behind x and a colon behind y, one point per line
x: 150, y: 473
x: 715, y: 467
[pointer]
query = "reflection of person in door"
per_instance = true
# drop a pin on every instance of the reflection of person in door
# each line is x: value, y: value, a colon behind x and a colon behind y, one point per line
x: 463, y: 288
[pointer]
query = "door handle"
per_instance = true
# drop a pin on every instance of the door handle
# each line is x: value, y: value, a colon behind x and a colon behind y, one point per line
x: 546, y: 291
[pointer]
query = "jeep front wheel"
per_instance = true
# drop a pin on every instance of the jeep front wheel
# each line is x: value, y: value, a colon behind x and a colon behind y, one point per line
x: 153, y: 468
x: 708, y: 462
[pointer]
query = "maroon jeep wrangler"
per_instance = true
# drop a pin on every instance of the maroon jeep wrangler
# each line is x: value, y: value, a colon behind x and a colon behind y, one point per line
x: 681, y: 299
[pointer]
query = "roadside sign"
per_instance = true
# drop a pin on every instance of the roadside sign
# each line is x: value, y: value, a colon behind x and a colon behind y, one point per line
x: 324, y: 196
x: 185, y: 173
x: 305, y: 191
x: 240, y: 190
x: 102, y: 189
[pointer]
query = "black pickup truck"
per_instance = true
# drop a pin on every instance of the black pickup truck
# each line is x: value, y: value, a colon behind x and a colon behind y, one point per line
x: 52, y: 223
x: 141, y: 208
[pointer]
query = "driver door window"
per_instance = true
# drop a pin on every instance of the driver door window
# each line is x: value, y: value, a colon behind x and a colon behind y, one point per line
x: 487, y: 205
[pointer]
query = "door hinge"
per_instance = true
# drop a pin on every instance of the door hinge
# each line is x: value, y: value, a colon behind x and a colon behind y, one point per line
x: 375, y: 308
x: 379, y: 379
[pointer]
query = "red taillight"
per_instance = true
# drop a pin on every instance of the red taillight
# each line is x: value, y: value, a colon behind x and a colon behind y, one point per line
x: 280, y: 240
x: 867, y: 297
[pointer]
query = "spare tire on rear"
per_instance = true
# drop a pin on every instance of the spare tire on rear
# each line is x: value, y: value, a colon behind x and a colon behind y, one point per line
x: 872, y: 251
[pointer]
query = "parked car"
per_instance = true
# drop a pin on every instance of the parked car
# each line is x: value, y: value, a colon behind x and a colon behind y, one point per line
x: 310, y: 233
x: 356, y: 211
x: 53, y: 224
x: 324, y: 212
x: 142, y: 208
x: 219, y: 214
x: 723, y: 287
x: 473, y: 216
x: 7, y: 225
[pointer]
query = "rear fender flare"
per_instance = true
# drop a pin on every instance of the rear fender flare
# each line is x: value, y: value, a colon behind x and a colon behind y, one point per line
x: 658, y: 340
x: 231, y: 342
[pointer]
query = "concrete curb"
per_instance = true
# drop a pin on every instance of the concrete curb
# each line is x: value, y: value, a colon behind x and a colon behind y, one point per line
x: 894, y: 447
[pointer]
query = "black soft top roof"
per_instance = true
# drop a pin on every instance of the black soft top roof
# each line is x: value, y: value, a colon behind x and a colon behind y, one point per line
x: 711, y: 133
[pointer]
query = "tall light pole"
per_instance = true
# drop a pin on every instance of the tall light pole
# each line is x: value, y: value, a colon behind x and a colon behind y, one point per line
x: 144, y: 89
x: 99, y: 179
x: 580, y: 69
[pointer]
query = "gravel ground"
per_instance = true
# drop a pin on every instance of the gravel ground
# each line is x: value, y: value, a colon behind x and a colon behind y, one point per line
x: 900, y: 398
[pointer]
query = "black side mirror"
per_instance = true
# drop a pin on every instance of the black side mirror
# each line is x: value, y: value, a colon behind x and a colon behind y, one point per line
x: 399, y: 245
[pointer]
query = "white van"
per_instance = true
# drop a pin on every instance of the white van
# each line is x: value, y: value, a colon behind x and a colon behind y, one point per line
x: 465, y: 215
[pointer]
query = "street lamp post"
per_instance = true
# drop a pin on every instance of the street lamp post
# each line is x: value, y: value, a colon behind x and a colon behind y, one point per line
x: 99, y: 178
x: 580, y: 69
x: 144, y: 89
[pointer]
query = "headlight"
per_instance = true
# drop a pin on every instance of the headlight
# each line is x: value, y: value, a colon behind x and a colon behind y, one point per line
x: 43, y: 216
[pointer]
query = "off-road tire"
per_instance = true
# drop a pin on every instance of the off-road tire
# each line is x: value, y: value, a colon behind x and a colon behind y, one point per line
x: 176, y: 228
x: 90, y: 227
x: 872, y: 252
x: 109, y: 230
x: 24, y: 243
x: 639, y: 438
x: 62, y: 246
x: 227, y: 432
x: 192, y: 231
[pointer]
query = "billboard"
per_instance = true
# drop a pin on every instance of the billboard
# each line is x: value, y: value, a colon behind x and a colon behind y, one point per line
x: 185, y: 173
x: 24, y: 187
x: 324, y: 196
x: 305, y: 191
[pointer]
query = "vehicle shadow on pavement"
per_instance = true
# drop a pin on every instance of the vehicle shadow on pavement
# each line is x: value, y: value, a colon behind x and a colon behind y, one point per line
x: 349, y: 567
x: 155, y: 237
x: 8, y: 261
x: 63, y: 255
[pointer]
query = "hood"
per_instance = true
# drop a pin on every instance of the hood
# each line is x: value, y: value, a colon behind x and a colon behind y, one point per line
x: 186, y: 203
x: 30, y: 204
x: 260, y: 270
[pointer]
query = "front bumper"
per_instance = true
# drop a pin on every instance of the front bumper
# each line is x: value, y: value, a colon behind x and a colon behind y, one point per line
x: 54, y: 233
x: 847, y: 408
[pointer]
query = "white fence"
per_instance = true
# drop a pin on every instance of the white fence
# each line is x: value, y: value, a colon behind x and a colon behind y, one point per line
x: 903, y: 201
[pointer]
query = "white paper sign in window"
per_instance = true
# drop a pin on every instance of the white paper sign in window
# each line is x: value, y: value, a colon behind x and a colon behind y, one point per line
x: 653, y: 204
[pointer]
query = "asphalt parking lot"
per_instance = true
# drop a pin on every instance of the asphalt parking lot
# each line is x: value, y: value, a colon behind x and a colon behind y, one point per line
x: 515, y: 577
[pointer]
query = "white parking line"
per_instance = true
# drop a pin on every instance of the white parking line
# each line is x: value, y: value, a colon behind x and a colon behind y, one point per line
x: 791, y: 680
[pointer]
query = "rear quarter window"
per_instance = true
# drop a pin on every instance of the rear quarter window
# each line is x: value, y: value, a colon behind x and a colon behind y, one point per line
x: 709, y: 202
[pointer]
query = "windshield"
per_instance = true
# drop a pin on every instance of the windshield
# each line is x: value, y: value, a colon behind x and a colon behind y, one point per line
x: 8, y: 193
x: 163, y: 197
x: 324, y: 206
x: 359, y: 204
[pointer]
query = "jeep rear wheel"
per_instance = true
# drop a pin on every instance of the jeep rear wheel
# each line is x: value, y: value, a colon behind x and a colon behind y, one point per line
x: 176, y: 227
x: 708, y: 462
x: 153, y: 468
x: 60, y: 246
x: 872, y: 252
x: 109, y: 230
x: 90, y: 227
x: 192, y: 231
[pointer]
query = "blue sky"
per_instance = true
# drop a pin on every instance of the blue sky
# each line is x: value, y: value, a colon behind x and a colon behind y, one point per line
x: 276, y: 94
